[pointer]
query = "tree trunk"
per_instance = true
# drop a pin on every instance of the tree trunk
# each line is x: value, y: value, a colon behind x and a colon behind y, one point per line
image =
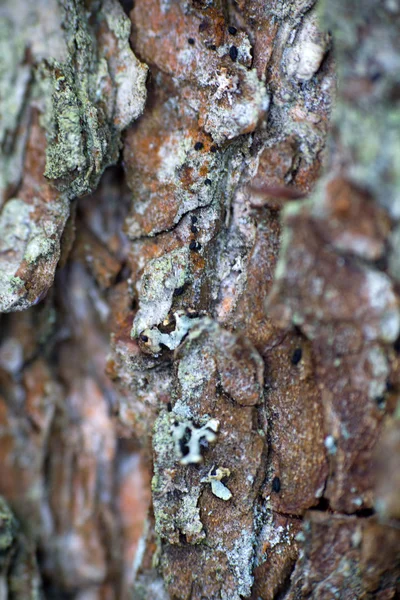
x: 200, y: 266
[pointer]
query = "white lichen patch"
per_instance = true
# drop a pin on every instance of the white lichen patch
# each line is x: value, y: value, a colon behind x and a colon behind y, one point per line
x: 188, y: 438
x: 155, y: 337
x: 11, y: 355
x: 160, y: 278
x: 227, y: 85
x: 379, y: 292
x: 24, y: 239
x: 173, y: 155
x: 196, y: 367
x: 174, y: 500
x: 214, y: 477
x: 330, y: 444
x: 188, y: 516
x: 305, y: 57
x: 240, y: 560
x: 379, y: 367
x: 130, y: 73
x: 240, y: 102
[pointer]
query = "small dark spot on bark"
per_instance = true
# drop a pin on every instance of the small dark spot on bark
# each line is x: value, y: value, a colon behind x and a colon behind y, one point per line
x: 375, y: 76
x: 381, y: 263
x: 296, y: 356
x: 232, y: 30
x: 276, y: 485
x: 213, y: 149
x: 183, y: 447
x: 143, y: 337
x: 195, y: 246
x: 179, y: 291
x: 184, y: 441
x: 233, y: 53
x: 191, y: 41
x: 194, y: 229
x: 198, y: 146
x: 207, y: 182
x: 389, y: 386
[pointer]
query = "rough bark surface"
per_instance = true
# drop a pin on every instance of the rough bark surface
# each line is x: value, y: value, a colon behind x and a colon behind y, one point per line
x: 204, y: 402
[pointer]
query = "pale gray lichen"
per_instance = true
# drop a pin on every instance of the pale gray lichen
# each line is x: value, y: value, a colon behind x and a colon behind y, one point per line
x: 379, y: 369
x: 330, y: 444
x: 129, y: 73
x: 306, y: 55
x: 379, y: 291
x: 240, y: 559
x: 23, y: 239
x: 86, y: 85
x: 155, y: 337
x: 183, y: 515
x: 188, y: 439
x: 244, y: 102
x: 214, y: 477
x: 14, y: 84
x: 83, y: 127
x: 187, y: 517
x: 160, y: 278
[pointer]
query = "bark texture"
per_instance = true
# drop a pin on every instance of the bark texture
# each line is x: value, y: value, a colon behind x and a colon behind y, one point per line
x: 205, y: 401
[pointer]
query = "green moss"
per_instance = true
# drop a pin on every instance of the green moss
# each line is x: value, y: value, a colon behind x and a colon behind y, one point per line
x: 82, y: 135
x: 79, y: 144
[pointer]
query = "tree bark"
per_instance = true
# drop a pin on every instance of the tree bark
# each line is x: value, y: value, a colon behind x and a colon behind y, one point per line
x: 199, y: 275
